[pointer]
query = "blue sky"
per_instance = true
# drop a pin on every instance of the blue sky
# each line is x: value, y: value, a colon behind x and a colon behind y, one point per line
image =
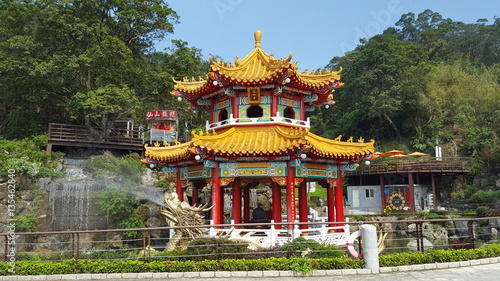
x: 314, y: 31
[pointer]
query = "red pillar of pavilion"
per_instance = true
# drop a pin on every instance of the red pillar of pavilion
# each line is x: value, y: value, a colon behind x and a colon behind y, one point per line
x: 290, y: 195
x: 274, y: 106
x: 330, y: 201
x: 276, y: 198
x: 235, y: 107
x: 216, y: 196
x: 178, y: 185
x: 339, y: 197
x: 222, y: 201
x: 246, y: 207
x: 303, y: 206
x: 195, y: 196
x: 236, y: 201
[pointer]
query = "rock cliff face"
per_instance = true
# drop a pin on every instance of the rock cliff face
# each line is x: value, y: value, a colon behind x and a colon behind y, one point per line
x: 69, y: 203
x: 28, y: 202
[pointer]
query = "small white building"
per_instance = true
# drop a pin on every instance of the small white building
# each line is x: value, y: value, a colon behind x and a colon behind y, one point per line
x: 372, y: 199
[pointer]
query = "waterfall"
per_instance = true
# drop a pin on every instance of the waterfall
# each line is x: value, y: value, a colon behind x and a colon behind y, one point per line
x: 73, y: 199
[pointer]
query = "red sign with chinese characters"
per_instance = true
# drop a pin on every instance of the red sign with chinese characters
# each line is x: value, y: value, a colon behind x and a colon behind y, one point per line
x: 161, y: 115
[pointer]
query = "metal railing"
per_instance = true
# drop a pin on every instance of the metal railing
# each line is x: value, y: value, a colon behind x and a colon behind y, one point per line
x: 400, y: 235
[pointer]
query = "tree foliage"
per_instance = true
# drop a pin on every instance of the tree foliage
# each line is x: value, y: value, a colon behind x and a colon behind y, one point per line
x: 428, y: 80
x: 85, y: 61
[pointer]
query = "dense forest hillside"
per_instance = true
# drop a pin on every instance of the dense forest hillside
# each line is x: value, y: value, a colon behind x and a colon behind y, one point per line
x: 427, y: 80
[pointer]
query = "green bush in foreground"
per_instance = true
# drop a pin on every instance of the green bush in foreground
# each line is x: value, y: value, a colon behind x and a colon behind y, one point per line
x: 300, y: 265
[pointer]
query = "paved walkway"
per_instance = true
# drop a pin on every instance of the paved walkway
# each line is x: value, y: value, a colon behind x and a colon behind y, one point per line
x: 477, y: 270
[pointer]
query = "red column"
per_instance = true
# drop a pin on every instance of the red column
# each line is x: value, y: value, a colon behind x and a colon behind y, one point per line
x: 178, y: 185
x: 339, y: 198
x: 274, y: 106
x: 290, y: 195
x: 302, y: 109
x: 195, y: 195
x: 236, y: 201
x: 411, y: 186
x: 246, y: 208
x: 303, y: 206
x: 235, y: 106
x: 222, y: 202
x: 216, y: 195
x: 330, y: 201
x: 276, y: 197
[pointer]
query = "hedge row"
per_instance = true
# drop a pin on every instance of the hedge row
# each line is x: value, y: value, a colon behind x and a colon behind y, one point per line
x: 301, y: 265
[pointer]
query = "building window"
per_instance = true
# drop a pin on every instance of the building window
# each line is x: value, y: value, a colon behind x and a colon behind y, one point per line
x: 289, y: 113
x: 255, y: 111
x: 223, y: 115
x: 369, y: 193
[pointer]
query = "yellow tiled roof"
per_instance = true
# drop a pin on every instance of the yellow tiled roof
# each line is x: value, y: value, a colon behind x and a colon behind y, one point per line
x: 247, y: 140
x: 339, y: 149
x: 170, y: 153
x: 258, y: 67
x: 261, y: 141
x: 320, y: 79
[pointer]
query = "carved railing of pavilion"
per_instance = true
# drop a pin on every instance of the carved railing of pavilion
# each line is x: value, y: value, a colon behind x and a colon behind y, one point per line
x: 231, y: 121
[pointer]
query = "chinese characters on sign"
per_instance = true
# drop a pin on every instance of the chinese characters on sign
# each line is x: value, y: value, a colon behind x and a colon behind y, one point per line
x: 161, y: 115
x: 253, y: 94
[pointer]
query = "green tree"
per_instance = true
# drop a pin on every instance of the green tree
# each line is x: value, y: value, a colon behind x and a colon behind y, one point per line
x: 378, y: 99
x: 446, y: 39
x: 51, y: 50
x: 102, y: 106
x: 463, y: 102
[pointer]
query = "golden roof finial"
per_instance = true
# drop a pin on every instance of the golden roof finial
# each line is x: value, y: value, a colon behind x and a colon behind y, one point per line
x: 257, y: 35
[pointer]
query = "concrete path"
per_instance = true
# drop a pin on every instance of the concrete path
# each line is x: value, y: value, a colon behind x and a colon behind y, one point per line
x: 476, y: 270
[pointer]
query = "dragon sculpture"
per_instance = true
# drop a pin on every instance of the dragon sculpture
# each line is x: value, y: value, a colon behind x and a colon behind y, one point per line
x: 180, y: 213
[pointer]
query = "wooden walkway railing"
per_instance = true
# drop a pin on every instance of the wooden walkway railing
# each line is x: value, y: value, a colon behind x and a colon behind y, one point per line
x: 416, y: 164
x: 77, y: 135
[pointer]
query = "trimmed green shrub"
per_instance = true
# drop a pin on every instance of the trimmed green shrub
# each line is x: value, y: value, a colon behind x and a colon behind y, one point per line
x: 301, y: 265
x: 406, y: 258
x: 485, y: 196
x: 481, y: 211
x: 339, y: 263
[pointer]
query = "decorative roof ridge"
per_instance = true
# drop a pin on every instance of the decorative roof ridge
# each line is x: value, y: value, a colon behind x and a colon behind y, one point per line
x: 257, y: 53
x: 320, y: 73
x: 213, y: 136
x: 293, y: 133
x: 337, y: 140
x: 168, y: 148
x: 264, y: 58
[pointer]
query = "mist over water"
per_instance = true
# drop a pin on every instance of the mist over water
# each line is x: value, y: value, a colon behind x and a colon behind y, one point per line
x: 150, y: 195
x: 73, y: 199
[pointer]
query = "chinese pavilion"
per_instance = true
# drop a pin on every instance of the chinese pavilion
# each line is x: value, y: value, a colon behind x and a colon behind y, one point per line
x: 258, y: 133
